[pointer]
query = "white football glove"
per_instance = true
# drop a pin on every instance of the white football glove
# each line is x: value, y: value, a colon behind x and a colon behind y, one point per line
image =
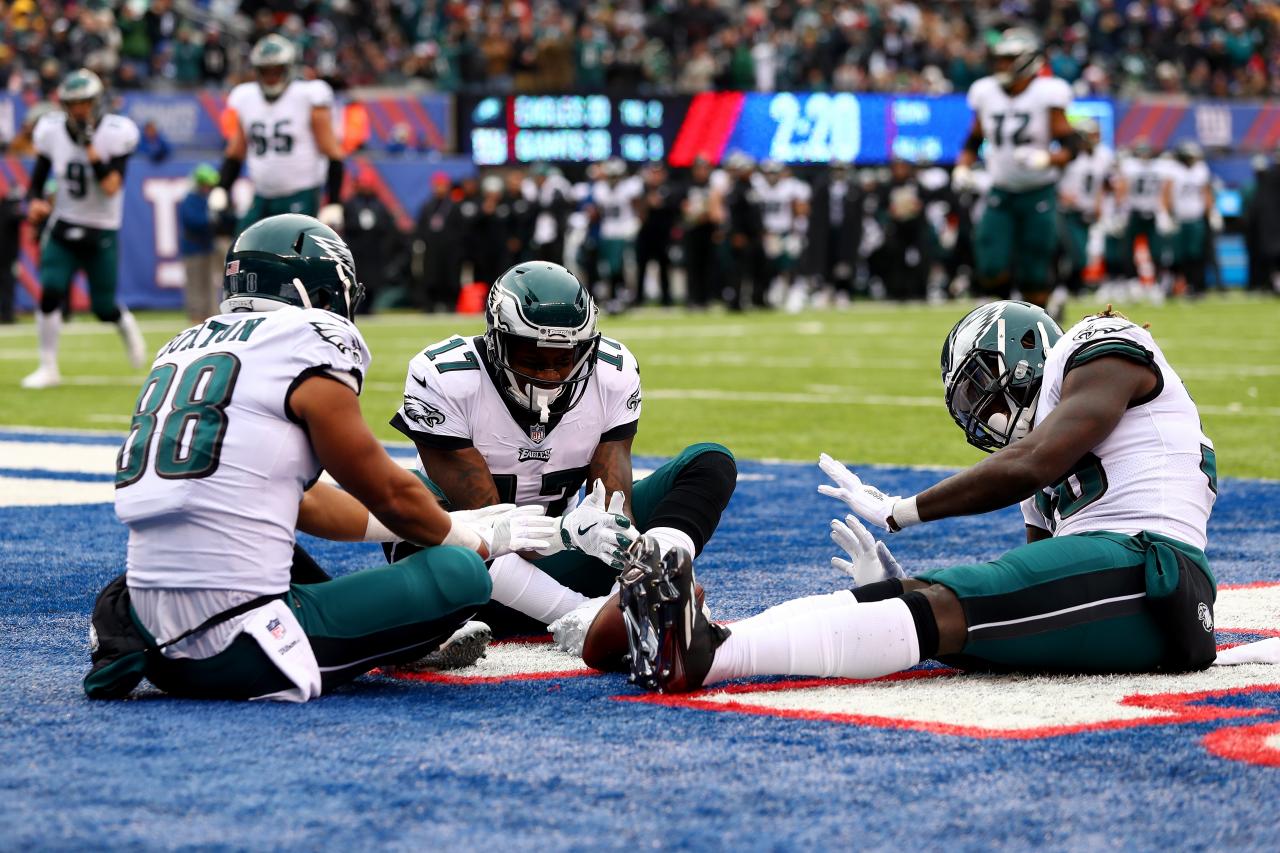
x: 218, y: 200
x: 865, y: 500
x: 869, y: 561
x: 1032, y: 158
x: 507, y: 528
x: 1215, y: 220
x: 602, y: 531
x: 962, y: 179
x: 332, y: 215
x: 1165, y: 224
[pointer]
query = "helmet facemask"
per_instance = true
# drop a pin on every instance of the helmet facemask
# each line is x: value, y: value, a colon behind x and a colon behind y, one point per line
x: 994, y: 403
x: 515, y: 358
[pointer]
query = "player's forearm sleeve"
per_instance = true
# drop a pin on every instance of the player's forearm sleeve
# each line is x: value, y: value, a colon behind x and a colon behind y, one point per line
x: 333, y: 186
x: 39, y: 175
x: 230, y: 171
x: 104, y: 168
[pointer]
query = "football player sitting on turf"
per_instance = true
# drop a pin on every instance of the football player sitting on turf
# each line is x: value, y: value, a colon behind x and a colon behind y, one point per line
x: 1093, y: 433
x: 527, y: 413
x: 238, y: 416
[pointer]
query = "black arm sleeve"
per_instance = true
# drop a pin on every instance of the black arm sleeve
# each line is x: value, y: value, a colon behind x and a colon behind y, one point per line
x: 230, y: 171
x: 1072, y: 142
x: 973, y: 142
x: 39, y: 176
x: 333, y: 186
x: 103, y: 168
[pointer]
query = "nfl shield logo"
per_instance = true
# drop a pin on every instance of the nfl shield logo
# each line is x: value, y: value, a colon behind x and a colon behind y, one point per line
x: 537, y: 432
x: 276, y: 629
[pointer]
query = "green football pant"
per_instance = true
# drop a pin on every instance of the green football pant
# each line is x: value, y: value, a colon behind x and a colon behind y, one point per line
x: 385, y: 615
x: 98, y: 257
x: 1077, y: 241
x: 574, y: 569
x: 1145, y: 225
x: 1093, y: 602
x: 306, y: 202
x: 1016, y: 237
x: 1190, y: 245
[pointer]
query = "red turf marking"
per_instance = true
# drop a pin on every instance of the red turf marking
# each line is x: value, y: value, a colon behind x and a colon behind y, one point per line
x: 1254, y: 585
x: 1245, y: 743
x: 1178, y: 707
x: 446, y: 678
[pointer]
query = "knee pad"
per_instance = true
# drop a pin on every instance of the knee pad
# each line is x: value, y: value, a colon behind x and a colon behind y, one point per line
x: 699, y: 495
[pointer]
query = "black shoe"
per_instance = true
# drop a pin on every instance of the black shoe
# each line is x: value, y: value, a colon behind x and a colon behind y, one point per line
x: 671, y: 641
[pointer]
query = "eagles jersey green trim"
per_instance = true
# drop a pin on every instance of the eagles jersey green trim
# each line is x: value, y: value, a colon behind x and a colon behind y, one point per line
x: 1120, y: 348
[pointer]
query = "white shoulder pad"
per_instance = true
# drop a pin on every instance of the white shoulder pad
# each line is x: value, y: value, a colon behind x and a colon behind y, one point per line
x: 618, y: 374
x: 440, y: 388
x: 327, y: 340
x: 44, y: 133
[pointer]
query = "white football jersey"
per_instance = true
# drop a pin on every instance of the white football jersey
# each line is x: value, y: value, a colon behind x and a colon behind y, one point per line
x: 210, y: 476
x: 778, y: 202
x: 80, y: 201
x: 1156, y: 471
x: 283, y: 158
x: 451, y: 402
x: 1012, y: 121
x: 1189, y: 183
x: 1086, y: 176
x: 618, y: 220
x: 1143, y: 180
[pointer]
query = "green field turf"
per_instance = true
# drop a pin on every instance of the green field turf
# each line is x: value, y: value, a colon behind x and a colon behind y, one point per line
x: 862, y: 384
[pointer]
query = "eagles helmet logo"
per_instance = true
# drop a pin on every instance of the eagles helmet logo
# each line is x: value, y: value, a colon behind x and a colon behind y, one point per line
x: 422, y: 412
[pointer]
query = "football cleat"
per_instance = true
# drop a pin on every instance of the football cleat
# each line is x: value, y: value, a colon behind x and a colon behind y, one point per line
x: 43, y: 377
x: 671, y: 643
x: 463, y: 648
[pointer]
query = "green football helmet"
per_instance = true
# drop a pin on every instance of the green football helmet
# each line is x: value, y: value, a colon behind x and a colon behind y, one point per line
x: 992, y: 369
x: 272, y: 59
x: 1016, y: 56
x: 290, y: 259
x: 533, y: 306
x: 78, y: 87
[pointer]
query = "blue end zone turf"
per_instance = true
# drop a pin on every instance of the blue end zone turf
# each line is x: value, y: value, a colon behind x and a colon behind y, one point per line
x: 561, y: 763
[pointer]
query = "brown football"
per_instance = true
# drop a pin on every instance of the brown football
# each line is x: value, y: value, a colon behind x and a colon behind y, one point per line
x: 605, y: 646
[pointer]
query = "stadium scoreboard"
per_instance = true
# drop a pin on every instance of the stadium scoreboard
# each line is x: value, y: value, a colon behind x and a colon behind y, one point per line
x: 791, y: 127
x: 567, y: 128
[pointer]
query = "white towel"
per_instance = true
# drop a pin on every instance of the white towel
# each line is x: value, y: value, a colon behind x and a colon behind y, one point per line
x: 282, y: 639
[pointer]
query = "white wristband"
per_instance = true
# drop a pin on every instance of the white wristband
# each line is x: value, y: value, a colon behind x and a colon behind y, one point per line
x: 376, y: 531
x: 461, y: 534
x: 904, y: 513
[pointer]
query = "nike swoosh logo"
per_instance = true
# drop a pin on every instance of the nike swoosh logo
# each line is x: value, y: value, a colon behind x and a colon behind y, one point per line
x: 419, y: 381
x: 582, y: 531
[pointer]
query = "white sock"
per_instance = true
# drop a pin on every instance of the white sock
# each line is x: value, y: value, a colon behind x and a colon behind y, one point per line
x: 855, y: 641
x: 522, y: 586
x: 48, y: 329
x: 134, y: 344
x: 797, y: 607
x: 668, y: 538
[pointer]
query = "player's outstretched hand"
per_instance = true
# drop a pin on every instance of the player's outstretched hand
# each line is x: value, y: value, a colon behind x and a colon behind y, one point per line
x: 868, y: 502
x: 506, y: 528
x: 869, y: 561
x: 594, y: 528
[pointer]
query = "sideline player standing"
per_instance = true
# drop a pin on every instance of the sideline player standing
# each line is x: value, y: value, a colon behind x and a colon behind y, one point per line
x: 238, y: 417
x: 1083, y: 188
x: 283, y: 127
x: 1094, y: 434
x: 1188, y: 197
x: 86, y: 152
x: 1019, y: 114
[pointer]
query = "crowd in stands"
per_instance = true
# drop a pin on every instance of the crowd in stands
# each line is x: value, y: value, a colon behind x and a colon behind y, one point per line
x: 1218, y: 48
